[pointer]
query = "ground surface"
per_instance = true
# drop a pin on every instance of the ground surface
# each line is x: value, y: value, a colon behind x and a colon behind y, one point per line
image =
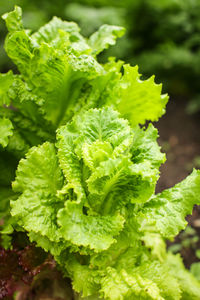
x: 180, y: 139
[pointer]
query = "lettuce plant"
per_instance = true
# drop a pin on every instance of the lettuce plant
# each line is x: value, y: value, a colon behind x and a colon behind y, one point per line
x: 162, y: 37
x: 84, y: 189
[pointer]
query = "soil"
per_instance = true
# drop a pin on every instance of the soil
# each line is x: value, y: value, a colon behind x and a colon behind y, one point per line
x: 180, y: 140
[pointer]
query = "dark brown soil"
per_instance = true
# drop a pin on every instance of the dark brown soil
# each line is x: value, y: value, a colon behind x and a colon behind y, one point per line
x: 180, y: 140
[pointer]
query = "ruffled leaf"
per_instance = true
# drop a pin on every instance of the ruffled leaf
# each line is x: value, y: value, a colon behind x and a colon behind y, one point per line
x: 95, y: 232
x: 165, y: 213
x: 5, y: 131
x: 39, y: 171
x: 84, y: 280
x: 139, y: 100
x: 38, y: 179
x: 117, y: 182
x: 195, y: 270
x: 6, y: 81
x: 145, y: 147
x: 13, y: 19
x: 41, y: 209
x: 189, y: 285
x: 148, y: 281
x: 104, y: 37
x: 121, y: 285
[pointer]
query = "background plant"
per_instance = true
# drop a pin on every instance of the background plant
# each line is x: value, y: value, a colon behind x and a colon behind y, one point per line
x: 162, y: 37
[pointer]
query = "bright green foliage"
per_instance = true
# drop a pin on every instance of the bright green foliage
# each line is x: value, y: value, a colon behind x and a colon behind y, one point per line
x: 104, y: 37
x: 60, y: 76
x: 5, y: 83
x: 195, y: 269
x: 162, y: 37
x: 5, y: 130
x: 146, y: 102
x: 85, y: 191
x: 43, y: 176
x: 166, y: 211
x: 14, y: 20
x: 189, y: 284
x: 94, y: 195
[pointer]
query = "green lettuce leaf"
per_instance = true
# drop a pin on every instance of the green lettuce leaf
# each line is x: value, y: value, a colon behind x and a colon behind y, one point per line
x: 145, y: 147
x: 140, y: 100
x: 149, y: 281
x: 14, y: 19
x: 104, y: 37
x: 195, y: 270
x: 97, y: 232
x: 94, y: 154
x: 84, y: 280
x: 6, y: 131
x: 189, y: 285
x: 165, y: 213
x: 38, y: 200
x: 6, y: 81
x: 63, y: 76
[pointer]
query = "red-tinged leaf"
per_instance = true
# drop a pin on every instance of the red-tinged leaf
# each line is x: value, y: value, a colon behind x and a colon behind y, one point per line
x: 18, y: 267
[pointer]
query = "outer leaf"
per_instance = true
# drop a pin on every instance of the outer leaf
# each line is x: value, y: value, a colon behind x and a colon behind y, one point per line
x: 38, y: 179
x: 39, y: 171
x: 146, y: 148
x: 19, y: 49
x: 195, y: 270
x: 41, y: 210
x: 118, y: 286
x: 159, y: 273
x: 50, y: 32
x: 140, y: 100
x: 95, y: 232
x: 55, y: 248
x: 5, y: 83
x: 37, y: 213
x: 189, y: 285
x: 165, y: 213
x: 84, y: 280
x: 14, y: 19
x: 104, y: 37
x: 128, y: 247
x: 148, y: 281
x: 5, y: 131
